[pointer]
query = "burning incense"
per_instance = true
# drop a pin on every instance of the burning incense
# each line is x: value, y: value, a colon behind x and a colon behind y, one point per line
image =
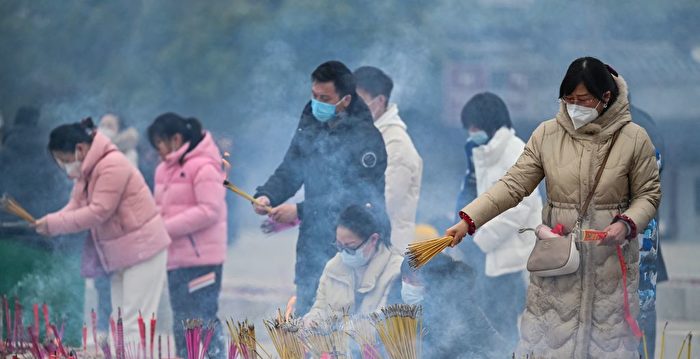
x: 242, y: 342
x: 360, y: 329
x: 35, y: 327
x: 153, y: 333
x: 283, y: 333
x: 326, y: 336
x: 663, y: 341
x: 12, y: 207
x: 243, y: 194
x: 142, y: 335
x: 59, y: 343
x: 419, y: 253
x: 93, y: 322
x: 194, y: 328
x: 120, y: 335
x: 400, y: 328
x: 47, y: 322
x: 84, y: 337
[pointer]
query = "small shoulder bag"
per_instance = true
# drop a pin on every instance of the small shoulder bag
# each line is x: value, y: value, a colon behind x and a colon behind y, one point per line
x: 555, y: 255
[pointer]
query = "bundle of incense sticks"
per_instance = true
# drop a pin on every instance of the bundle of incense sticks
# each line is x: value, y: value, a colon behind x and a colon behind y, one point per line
x: 283, y: 332
x: 153, y: 332
x: 419, y: 253
x: 11, y: 206
x: 326, y: 336
x: 142, y: 335
x: 93, y: 323
x: 106, y: 350
x: 120, y: 336
x: 196, y: 334
x: 400, y: 328
x: 242, y: 342
x: 361, y: 330
x: 243, y: 194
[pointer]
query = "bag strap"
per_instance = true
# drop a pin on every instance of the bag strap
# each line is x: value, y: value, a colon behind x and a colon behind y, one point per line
x: 584, y: 209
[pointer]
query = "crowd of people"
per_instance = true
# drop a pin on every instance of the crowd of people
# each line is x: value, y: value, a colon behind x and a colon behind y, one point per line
x: 361, y: 174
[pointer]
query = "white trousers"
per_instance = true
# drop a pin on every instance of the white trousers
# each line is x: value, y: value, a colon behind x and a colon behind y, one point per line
x: 138, y: 288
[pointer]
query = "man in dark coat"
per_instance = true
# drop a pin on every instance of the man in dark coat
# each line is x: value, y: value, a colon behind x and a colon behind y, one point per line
x: 338, y: 155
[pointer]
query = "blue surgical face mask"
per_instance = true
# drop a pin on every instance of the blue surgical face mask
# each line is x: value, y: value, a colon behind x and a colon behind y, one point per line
x: 412, y: 294
x: 478, y: 138
x: 323, y: 111
x: 356, y: 259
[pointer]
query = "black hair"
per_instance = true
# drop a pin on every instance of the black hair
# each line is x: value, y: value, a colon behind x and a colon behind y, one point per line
x: 374, y: 81
x: 594, y: 74
x: 167, y: 125
x: 64, y: 138
x: 487, y: 112
x: 366, y: 220
x: 27, y: 116
x: 339, y: 74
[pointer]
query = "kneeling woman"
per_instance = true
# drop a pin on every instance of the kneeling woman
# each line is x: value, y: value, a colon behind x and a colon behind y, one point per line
x: 365, y: 270
x: 110, y: 199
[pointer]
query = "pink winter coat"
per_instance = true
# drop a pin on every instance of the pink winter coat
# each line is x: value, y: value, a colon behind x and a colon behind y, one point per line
x: 112, y: 201
x: 192, y: 201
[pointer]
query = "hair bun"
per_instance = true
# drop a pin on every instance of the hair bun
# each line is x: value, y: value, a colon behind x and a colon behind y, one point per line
x: 87, y: 125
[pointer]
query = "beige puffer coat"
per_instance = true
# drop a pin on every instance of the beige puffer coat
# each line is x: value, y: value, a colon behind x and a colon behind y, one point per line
x: 581, y: 315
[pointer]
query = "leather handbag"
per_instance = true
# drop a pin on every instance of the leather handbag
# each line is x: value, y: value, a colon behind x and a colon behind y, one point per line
x: 555, y: 255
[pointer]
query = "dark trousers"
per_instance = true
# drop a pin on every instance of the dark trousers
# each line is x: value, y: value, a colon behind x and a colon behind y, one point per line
x: 188, y: 302
x: 104, y: 302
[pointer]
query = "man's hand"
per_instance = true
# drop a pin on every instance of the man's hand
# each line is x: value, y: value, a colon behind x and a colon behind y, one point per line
x: 458, y: 232
x: 286, y: 213
x: 262, y: 205
x: 617, y: 234
x: 42, y: 227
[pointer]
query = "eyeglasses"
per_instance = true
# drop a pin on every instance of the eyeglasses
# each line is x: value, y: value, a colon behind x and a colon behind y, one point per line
x: 351, y: 251
x: 572, y: 100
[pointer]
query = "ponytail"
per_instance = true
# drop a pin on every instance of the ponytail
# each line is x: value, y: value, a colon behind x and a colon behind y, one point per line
x: 169, y: 124
x: 64, y: 138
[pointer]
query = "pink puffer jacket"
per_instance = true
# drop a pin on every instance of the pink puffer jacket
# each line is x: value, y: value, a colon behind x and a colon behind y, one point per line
x: 192, y: 201
x: 112, y: 201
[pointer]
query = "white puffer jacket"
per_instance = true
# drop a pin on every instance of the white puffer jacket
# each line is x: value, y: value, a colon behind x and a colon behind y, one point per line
x: 506, y: 250
x: 404, y: 171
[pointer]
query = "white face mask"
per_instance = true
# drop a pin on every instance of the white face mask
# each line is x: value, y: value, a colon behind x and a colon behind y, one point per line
x: 412, y: 294
x: 581, y: 115
x: 72, y: 169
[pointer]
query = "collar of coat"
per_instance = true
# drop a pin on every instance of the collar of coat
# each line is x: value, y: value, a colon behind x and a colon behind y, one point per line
x: 493, y: 150
x: 341, y: 272
x: 604, y: 126
x: 101, y: 146
x: 390, y: 118
x: 206, y: 148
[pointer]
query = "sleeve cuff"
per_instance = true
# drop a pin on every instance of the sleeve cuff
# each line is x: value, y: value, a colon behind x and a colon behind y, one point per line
x: 629, y: 223
x: 470, y: 223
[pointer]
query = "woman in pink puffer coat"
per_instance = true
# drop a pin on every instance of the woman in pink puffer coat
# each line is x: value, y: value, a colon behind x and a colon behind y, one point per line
x: 190, y: 194
x: 110, y: 199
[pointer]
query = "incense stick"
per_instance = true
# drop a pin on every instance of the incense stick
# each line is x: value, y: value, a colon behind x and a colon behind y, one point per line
x: 243, y: 194
x: 11, y: 206
x: 360, y: 329
x: 400, y: 329
x: 153, y: 332
x: 326, y: 335
x: 663, y: 340
x: 419, y: 253
x: 283, y: 333
x: 93, y: 323
x: 142, y: 335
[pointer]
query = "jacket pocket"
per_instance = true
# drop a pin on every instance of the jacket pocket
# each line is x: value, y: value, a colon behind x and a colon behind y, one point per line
x: 194, y: 244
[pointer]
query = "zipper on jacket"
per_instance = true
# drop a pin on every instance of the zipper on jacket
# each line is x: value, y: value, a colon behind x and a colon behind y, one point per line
x: 194, y: 245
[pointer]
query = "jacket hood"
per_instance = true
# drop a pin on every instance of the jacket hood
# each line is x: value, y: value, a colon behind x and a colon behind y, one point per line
x: 607, y: 124
x: 100, y: 147
x: 206, y: 149
x: 390, y: 118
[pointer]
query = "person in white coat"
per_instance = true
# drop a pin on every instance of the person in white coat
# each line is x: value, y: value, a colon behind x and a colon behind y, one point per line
x: 492, y: 148
x: 404, y: 168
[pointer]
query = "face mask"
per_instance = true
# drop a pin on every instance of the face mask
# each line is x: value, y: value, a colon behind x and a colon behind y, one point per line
x: 110, y: 133
x: 354, y: 260
x: 411, y: 294
x: 323, y: 111
x: 73, y: 168
x: 581, y: 115
x: 478, y: 138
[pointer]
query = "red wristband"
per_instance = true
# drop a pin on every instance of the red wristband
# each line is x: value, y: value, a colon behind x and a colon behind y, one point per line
x: 630, y: 222
x: 470, y: 223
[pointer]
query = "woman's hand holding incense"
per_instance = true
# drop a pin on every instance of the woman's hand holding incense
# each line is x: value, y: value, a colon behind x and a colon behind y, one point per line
x: 617, y: 234
x: 286, y: 213
x: 42, y: 227
x: 262, y: 205
x: 458, y: 232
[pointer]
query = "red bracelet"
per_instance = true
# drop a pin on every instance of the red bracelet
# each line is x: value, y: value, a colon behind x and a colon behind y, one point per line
x: 630, y: 222
x: 470, y: 223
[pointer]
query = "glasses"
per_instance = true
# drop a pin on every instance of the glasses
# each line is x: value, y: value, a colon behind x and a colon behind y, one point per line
x: 572, y: 100
x: 348, y: 250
